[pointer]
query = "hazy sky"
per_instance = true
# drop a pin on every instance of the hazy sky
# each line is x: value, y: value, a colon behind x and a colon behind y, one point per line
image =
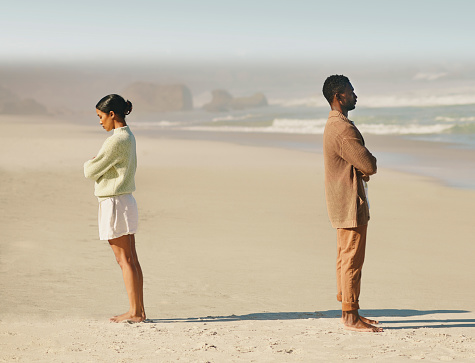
x: 95, y: 30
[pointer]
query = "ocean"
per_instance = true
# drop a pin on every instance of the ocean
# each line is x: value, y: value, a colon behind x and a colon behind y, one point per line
x: 454, y: 124
x: 427, y: 111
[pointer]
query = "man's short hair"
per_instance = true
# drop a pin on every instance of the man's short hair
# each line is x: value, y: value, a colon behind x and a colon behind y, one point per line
x: 333, y: 85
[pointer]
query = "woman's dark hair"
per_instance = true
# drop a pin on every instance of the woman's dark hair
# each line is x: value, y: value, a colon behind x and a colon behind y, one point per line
x: 333, y: 85
x: 115, y: 103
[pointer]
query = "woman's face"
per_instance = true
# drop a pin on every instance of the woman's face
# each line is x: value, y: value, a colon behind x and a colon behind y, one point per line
x: 106, y: 119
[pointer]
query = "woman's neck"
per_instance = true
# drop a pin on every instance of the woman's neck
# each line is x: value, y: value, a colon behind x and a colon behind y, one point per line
x: 119, y: 124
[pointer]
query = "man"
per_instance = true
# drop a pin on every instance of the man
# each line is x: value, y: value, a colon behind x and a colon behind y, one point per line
x: 348, y: 165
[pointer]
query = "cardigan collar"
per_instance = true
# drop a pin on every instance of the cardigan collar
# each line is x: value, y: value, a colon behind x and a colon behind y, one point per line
x: 342, y: 117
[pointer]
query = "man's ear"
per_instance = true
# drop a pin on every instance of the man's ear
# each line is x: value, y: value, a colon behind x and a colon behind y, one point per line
x: 336, y: 98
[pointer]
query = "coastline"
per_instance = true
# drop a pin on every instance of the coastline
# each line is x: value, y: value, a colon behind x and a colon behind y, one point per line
x: 237, y: 252
x: 445, y: 163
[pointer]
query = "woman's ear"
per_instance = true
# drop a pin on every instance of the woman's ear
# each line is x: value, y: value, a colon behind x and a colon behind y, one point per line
x: 112, y: 114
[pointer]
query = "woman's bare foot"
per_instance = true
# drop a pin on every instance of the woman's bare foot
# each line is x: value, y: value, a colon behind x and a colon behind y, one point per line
x: 128, y: 317
x: 353, y: 321
x: 143, y: 315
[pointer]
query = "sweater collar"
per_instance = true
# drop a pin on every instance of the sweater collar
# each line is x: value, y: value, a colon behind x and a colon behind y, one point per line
x: 342, y: 117
x: 121, y: 129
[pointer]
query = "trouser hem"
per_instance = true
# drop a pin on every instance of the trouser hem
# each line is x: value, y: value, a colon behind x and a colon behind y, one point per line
x: 347, y: 306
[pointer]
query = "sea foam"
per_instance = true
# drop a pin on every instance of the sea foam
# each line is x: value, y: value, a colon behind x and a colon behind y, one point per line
x: 317, y: 127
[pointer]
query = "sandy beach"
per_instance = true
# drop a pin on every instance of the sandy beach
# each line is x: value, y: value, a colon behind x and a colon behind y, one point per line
x: 237, y: 252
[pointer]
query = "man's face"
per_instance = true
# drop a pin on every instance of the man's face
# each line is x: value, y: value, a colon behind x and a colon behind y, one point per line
x: 348, y: 98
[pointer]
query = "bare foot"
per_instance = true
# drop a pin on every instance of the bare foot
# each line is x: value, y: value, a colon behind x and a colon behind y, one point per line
x: 128, y: 317
x: 353, y: 321
x: 368, y: 321
x: 116, y: 316
x: 364, y: 320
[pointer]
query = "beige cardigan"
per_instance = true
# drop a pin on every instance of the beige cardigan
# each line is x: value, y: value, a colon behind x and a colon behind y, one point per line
x: 345, y: 157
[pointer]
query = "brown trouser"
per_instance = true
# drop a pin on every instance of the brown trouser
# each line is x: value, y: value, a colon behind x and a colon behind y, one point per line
x: 351, y: 243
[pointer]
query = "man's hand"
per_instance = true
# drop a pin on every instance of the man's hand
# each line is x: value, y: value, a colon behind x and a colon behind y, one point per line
x: 363, y: 175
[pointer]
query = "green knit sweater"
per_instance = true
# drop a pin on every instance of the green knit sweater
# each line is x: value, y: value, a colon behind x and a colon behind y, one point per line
x: 113, y: 169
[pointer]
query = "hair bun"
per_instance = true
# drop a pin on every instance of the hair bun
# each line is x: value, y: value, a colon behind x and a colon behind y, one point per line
x: 116, y: 103
x: 128, y: 108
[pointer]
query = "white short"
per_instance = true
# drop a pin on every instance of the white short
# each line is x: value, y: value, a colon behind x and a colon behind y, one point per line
x: 118, y: 216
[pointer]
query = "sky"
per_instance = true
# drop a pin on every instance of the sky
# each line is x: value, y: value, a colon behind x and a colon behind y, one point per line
x: 243, y: 30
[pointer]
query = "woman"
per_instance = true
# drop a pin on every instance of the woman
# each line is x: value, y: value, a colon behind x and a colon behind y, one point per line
x: 113, y: 170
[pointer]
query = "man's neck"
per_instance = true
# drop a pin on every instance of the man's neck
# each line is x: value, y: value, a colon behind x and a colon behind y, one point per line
x: 337, y: 107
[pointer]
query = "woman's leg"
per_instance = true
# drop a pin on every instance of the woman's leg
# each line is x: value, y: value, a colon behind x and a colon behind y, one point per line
x: 124, y: 252
x: 140, y: 274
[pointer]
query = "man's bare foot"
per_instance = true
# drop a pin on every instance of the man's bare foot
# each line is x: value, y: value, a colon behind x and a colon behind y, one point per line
x: 128, y: 317
x: 353, y: 321
x: 364, y: 320
x: 368, y: 321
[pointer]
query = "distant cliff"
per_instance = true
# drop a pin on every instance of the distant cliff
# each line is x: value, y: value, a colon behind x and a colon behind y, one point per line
x: 223, y: 101
x: 150, y: 97
x: 11, y: 104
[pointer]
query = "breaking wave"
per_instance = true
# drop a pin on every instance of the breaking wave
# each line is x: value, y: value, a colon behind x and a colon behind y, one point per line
x: 298, y: 126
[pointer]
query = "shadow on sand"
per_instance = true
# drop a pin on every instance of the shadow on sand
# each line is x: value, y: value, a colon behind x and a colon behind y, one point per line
x: 381, y: 313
